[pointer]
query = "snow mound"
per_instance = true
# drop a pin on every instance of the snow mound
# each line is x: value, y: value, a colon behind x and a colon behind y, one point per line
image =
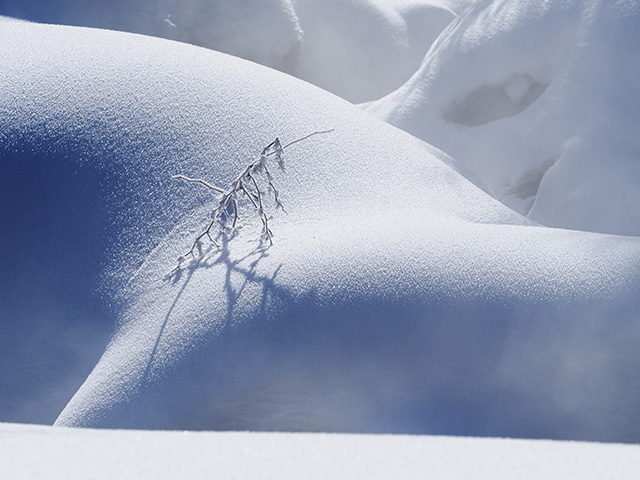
x: 108, y: 119
x: 358, y: 49
x: 539, y: 99
x: 364, y: 49
x: 397, y: 296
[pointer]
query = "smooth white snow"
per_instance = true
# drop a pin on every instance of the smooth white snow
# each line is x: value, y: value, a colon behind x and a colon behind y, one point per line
x: 398, y: 297
x: 69, y: 454
x: 364, y: 49
x: 540, y: 100
x: 358, y: 49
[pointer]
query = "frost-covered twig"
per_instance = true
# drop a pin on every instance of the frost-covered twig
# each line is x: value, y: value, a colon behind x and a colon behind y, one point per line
x: 197, y: 180
x: 244, y: 189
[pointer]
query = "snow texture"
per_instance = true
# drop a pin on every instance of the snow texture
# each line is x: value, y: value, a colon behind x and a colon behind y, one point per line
x: 70, y: 454
x: 398, y: 297
x: 358, y: 49
x: 540, y: 100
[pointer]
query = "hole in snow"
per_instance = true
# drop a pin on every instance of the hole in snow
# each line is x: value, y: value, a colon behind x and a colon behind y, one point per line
x: 487, y: 104
x: 521, y: 193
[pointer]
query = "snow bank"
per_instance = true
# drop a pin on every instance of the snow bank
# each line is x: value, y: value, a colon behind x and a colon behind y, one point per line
x: 364, y: 49
x: 397, y: 297
x: 358, y: 49
x: 108, y: 119
x: 58, y: 453
x: 539, y: 99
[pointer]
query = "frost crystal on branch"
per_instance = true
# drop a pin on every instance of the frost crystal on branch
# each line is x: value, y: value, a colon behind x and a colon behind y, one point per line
x: 251, y: 187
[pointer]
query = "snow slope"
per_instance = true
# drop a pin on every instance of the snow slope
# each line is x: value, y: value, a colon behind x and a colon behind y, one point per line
x: 109, y: 122
x: 397, y: 297
x: 57, y: 453
x: 358, y: 49
x: 540, y: 100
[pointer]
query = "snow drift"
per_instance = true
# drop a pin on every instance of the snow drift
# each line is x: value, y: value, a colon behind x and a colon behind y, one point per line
x: 397, y: 297
x: 539, y: 99
x: 358, y: 49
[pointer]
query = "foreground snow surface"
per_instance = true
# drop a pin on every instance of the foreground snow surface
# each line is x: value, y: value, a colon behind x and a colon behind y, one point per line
x: 398, y: 297
x: 67, y: 454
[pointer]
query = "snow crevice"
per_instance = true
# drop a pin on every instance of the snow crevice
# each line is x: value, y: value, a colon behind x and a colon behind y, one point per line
x: 490, y: 103
x: 521, y: 193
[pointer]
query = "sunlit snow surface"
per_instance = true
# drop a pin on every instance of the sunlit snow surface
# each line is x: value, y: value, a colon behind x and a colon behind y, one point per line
x: 541, y: 100
x: 57, y: 453
x: 397, y: 298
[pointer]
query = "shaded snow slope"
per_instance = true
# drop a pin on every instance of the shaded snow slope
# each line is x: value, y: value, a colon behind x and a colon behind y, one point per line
x: 540, y: 99
x: 358, y: 49
x: 58, y: 453
x: 92, y: 126
x: 397, y: 297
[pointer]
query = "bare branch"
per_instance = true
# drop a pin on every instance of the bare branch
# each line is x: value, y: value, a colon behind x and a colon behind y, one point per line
x: 197, y: 180
x: 246, y: 186
x: 308, y: 136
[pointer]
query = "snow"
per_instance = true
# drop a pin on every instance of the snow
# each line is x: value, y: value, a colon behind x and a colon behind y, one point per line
x: 363, y: 60
x: 358, y: 49
x: 399, y: 295
x: 537, y: 98
x: 382, y: 240
x: 57, y: 453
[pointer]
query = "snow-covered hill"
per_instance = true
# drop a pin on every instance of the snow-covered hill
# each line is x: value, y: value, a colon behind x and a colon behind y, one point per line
x: 399, y: 296
x: 540, y: 99
x: 358, y: 49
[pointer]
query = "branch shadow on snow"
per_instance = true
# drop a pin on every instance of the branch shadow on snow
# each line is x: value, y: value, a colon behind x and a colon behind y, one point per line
x: 302, y: 361
x: 356, y: 360
x: 214, y: 257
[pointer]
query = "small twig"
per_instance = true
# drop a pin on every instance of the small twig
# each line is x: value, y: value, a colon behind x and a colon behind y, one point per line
x: 246, y: 185
x: 304, y: 138
x: 197, y: 180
